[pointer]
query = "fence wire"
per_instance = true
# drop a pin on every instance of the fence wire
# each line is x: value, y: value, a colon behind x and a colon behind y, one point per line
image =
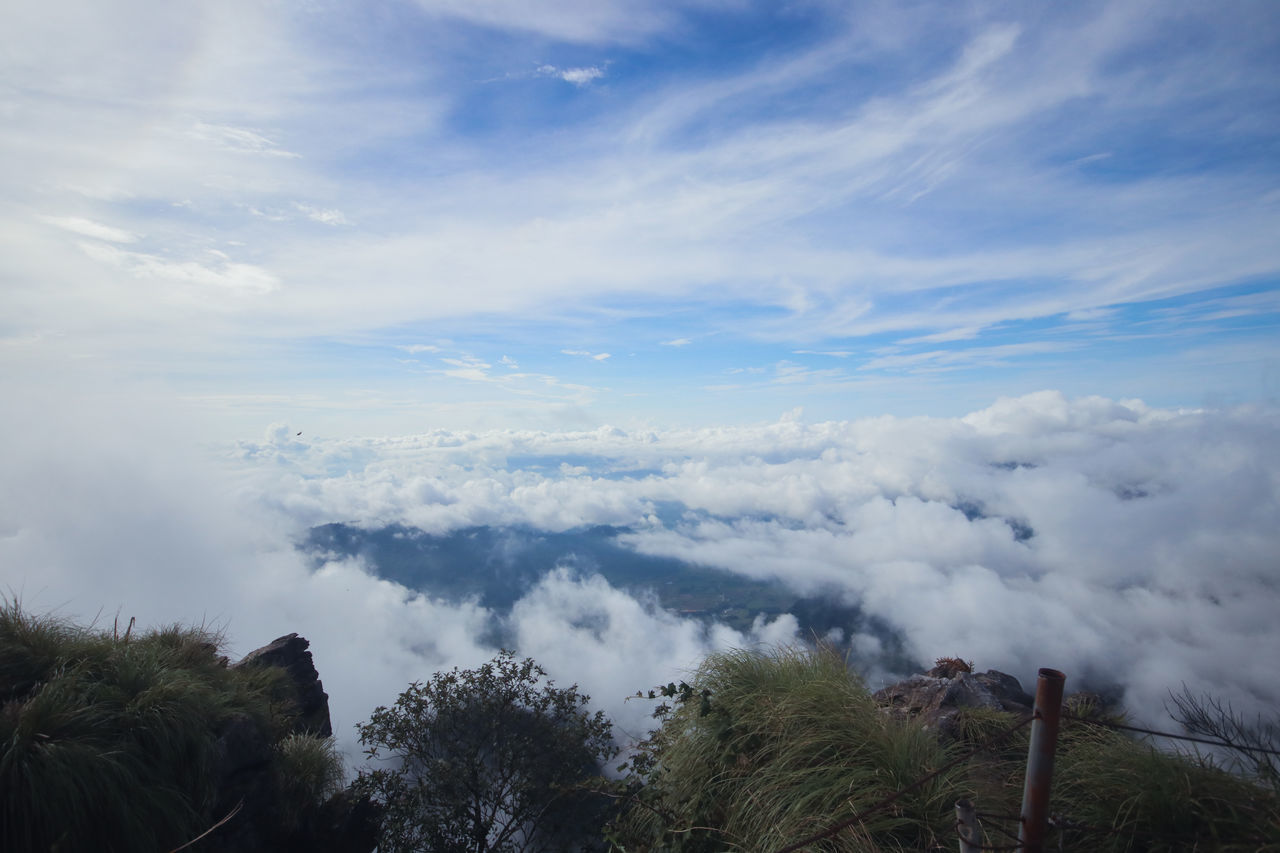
x: 1060, y: 823
x: 1110, y: 725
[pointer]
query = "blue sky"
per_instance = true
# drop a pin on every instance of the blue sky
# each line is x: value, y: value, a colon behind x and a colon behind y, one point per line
x: 392, y: 216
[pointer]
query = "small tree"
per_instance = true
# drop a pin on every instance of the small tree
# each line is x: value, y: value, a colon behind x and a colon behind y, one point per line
x: 1253, y: 743
x: 488, y: 759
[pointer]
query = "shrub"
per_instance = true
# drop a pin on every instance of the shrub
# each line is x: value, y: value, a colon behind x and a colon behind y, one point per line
x: 489, y: 759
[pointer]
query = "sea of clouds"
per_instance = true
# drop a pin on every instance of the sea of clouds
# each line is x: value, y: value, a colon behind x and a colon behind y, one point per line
x: 1131, y: 548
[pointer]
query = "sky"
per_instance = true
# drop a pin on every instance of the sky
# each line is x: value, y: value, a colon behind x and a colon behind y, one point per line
x: 815, y: 272
x: 389, y: 216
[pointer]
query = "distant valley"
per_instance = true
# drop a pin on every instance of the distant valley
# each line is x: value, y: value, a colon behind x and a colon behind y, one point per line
x: 497, y: 566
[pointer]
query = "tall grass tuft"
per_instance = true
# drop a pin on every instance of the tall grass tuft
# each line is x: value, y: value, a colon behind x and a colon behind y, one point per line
x: 789, y: 744
x: 1149, y: 799
x: 765, y: 749
x: 1120, y: 793
x: 308, y: 771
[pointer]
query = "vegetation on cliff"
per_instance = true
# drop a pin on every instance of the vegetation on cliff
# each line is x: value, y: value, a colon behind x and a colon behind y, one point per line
x: 122, y: 741
x: 761, y: 750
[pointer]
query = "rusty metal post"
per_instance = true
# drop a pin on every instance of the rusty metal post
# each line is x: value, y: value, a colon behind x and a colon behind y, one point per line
x: 1044, y: 741
x: 967, y: 826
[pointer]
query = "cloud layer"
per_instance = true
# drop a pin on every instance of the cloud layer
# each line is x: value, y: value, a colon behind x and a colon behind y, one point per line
x: 1125, y: 545
x: 1130, y: 547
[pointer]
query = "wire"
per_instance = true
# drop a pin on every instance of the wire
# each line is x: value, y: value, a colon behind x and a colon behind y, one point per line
x: 1223, y: 743
x: 892, y: 798
x: 1061, y: 823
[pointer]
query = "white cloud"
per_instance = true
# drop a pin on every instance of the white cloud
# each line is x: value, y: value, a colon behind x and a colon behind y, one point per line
x: 597, y: 356
x: 325, y: 216
x: 1118, y: 543
x: 239, y: 139
x: 677, y: 342
x: 683, y: 194
x: 467, y: 362
x: 213, y: 273
x: 580, y: 76
x: 615, y: 644
x: 586, y: 21
x: 939, y: 360
x: 89, y: 228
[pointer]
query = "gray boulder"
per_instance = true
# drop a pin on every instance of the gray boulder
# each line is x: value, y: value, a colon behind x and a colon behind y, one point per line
x: 936, y: 699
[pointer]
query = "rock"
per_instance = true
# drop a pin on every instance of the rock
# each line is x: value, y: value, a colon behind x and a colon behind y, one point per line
x: 243, y: 757
x: 242, y: 746
x: 290, y: 654
x: 248, y: 789
x: 1007, y: 690
x: 936, y: 700
x: 348, y: 824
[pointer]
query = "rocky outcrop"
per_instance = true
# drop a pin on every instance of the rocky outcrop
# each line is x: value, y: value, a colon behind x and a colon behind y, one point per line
x: 938, y: 697
x: 249, y: 786
x: 290, y: 654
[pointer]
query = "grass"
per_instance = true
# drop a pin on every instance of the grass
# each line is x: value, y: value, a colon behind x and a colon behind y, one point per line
x: 1154, y: 800
x: 792, y: 743
x: 1124, y: 794
x: 107, y: 741
x: 308, y: 771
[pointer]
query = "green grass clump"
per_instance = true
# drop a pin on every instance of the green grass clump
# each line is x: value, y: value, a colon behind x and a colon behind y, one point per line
x: 308, y: 771
x: 1152, y: 800
x: 107, y: 741
x: 789, y: 743
x: 764, y: 749
x: 1118, y: 793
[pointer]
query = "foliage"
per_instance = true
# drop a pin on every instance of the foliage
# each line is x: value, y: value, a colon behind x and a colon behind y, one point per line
x: 308, y: 771
x: 1148, y: 799
x: 951, y: 667
x: 1253, y: 744
x: 1113, y: 792
x: 766, y: 748
x: 489, y: 759
x: 762, y: 750
x: 108, y: 740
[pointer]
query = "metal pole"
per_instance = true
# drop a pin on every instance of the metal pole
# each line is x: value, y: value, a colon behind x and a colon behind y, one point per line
x: 967, y: 826
x: 1044, y: 741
